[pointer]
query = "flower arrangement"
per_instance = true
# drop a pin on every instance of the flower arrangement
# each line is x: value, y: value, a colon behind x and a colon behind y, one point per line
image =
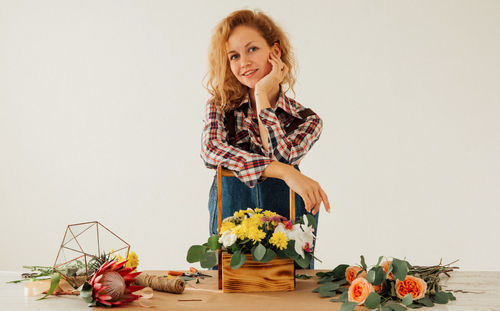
x: 110, y: 283
x: 390, y: 285
x: 262, y: 233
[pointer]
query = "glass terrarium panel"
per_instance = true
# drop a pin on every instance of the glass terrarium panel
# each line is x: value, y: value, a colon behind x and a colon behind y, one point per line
x: 111, y: 244
x: 87, y: 238
x: 85, y: 248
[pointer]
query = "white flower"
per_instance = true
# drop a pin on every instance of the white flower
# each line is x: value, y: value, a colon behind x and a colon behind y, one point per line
x: 228, y: 238
x: 303, y: 235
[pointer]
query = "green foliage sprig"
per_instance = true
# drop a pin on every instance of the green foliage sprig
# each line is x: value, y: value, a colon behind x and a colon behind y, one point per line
x: 334, y: 283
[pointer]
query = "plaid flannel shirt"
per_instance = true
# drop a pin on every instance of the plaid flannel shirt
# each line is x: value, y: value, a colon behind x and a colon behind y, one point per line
x: 247, y: 156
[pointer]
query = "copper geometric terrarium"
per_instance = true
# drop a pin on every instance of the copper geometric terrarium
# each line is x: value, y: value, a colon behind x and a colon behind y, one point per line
x: 85, y: 247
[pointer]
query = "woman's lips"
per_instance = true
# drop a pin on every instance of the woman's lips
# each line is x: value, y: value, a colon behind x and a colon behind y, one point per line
x: 250, y: 75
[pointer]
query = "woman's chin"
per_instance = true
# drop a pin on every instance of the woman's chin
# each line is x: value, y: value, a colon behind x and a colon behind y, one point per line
x: 250, y: 84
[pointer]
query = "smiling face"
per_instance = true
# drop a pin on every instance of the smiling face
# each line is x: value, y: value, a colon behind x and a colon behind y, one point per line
x: 248, y: 55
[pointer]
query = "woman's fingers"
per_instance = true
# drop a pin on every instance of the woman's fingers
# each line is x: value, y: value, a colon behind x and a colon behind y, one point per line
x: 325, y: 200
x: 308, y: 202
x: 318, y: 201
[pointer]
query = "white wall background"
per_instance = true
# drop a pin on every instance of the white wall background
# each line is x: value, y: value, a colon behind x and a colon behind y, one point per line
x: 101, y: 107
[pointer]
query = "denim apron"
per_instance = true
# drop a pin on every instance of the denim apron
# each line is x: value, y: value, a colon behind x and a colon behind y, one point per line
x: 272, y: 194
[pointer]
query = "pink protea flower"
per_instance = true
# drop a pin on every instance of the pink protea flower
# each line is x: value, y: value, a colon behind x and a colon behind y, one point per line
x: 111, y: 284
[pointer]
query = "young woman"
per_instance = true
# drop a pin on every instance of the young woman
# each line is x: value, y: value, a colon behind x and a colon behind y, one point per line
x: 251, y: 127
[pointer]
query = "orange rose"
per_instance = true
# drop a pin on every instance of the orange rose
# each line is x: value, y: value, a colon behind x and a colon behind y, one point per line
x: 352, y: 271
x: 411, y: 285
x: 385, y: 266
x: 359, y: 290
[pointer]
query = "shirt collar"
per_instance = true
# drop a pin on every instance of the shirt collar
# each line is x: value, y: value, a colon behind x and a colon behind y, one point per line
x: 283, y: 102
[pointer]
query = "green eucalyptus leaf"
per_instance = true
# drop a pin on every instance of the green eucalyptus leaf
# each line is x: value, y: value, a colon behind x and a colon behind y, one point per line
x: 363, y: 263
x: 329, y: 286
x: 194, y: 253
x: 407, y: 300
x: 336, y: 300
x: 370, y: 277
x: 399, y: 269
x: 302, y: 276
x: 259, y: 252
x: 450, y: 296
x: 252, y: 250
x: 304, y: 262
x: 322, y: 274
x: 379, y: 275
x: 372, y: 301
x: 379, y: 260
x: 343, y: 289
x: 348, y: 306
x: 441, y: 298
x: 325, y: 293
x: 415, y: 306
x: 54, y: 282
x: 208, y: 259
x: 235, y: 247
x: 344, y: 296
x: 339, y: 271
x: 237, y: 260
x: 426, y: 301
x: 326, y: 279
x: 269, y: 255
x: 213, y: 242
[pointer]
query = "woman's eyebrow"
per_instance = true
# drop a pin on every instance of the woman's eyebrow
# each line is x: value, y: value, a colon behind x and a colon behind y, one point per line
x: 250, y: 42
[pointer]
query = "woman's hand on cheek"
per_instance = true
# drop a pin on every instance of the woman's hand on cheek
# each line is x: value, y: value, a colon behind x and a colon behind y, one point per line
x: 274, y: 77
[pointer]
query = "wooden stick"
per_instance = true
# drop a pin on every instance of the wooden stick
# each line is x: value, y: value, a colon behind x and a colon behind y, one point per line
x: 219, y: 220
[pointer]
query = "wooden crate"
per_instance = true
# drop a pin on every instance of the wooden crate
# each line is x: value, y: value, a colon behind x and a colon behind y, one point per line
x: 276, y: 275
x: 253, y: 276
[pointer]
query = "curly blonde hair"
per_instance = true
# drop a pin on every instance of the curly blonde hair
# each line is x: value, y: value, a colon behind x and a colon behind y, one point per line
x: 227, y: 92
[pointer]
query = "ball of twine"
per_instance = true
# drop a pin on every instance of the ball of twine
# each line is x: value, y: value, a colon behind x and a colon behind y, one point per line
x: 161, y: 283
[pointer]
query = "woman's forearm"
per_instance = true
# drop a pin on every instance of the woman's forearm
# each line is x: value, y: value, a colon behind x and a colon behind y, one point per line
x: 277, y: 169
x: 262, y: 102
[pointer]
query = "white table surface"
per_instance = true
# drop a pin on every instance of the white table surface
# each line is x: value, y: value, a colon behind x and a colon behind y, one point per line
x: 485, y: 285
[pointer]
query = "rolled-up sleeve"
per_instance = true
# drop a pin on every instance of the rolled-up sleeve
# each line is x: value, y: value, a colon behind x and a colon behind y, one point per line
x: 215, y: 150
x: 293, y: 147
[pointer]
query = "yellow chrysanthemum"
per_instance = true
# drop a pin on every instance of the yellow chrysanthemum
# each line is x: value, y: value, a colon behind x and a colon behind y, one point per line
x: 133, y: 260
x: 240, y: 231
x: 256, y: 220
x: 227, y: 225
x: 279, y: 240
x: 258, y: 210
x: 256, y: 235
x: 269, y: 213
x: 240, y: 214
